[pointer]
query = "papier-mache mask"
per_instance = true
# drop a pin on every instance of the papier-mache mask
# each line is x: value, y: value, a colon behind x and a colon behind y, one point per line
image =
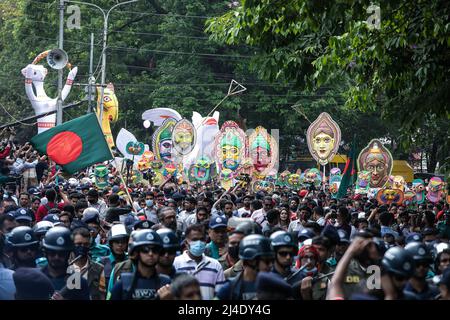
x: 263, y: 151
x: 101, y: 176
x: 397, y: 182
x: 162, y: 140
x: 435, y: 187
x: 390, y: 196
x: 418, y: 186
x: 363, y: 182
x: 202, y: 170
x: 323, y: 137
x: 378, y: 160
x: 312, y: 176
x: 183, y: 137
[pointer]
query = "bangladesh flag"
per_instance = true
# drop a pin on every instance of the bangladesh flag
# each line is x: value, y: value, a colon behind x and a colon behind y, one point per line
x: 349, y: 174
x: 75, y: 144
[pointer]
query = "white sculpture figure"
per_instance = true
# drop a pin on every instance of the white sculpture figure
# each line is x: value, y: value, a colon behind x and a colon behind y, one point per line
x: 35, y: 76
x: 207, y: 129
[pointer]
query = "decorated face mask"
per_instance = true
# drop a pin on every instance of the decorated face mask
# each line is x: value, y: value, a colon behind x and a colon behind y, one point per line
x: 323, y: 137
x: 409, y: 200
x: 262, y: 185
x: 378, y: 160
x: 226, y: 179
x: 389, y: 196
x: 312, y: 176
x: 418, y: 186
x: 203, y: 170
x: 263, y: 151
x: 363, y: 182
x: 335, y: 182
x: 230, y: 146
x: 101, y: 176
x: 435, y: 187
x: 183, y: 137
x: 162, y: 141
x: 397, y: 182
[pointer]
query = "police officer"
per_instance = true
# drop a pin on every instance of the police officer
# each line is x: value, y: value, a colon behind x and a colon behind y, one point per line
x: 118, y: 243
x: 58, y: 245
x: 144, y: 283
x: 418, y: 284
x: 171, y: 245
x: 256, y: 255
x: 25, y: 247
x: 285, y: 249
x: 398, y: 267
x: 244, y: 228
x: 91, y: 217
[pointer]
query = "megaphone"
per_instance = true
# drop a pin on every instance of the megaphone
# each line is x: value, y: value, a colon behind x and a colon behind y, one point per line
x: 57, y: 59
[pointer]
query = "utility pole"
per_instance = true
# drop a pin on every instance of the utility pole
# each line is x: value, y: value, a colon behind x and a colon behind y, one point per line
x: 59, y: 110
x: 91, y: 80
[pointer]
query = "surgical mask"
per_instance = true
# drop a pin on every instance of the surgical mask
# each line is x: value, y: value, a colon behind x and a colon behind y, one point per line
x: 149, y: 203
x: 81, y: 251
x: 234, y: 252
x: 197, y: 248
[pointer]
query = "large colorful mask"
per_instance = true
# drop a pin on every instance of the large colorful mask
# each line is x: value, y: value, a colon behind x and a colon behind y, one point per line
x: 230, y: 148
x: 363, y: 182
x: 162, y: 140
x: 294, y: 181
x: 203, y: 170
x: 390, y: 196
x: 263, y: 151
x: 183, y: 137
x: 409, y: 200
x: 418, y: 186
x: 323, y: 137
x: 146, y: 159
x: 128, y: 145
x: 378, y: 160
x: 263, y: 185
x: 335, y: 182
x: 397, y: 182
x: 435, y: 187
x: 110, y: 111
x: 312, y: 176
x: 227, y: 178
x: 282, y: 178
x: 101, y: 176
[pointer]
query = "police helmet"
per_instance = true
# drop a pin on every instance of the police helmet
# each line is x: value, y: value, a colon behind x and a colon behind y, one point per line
x: 143, y: 237
x: 117, y: 232
x: 419, y: 251
x: 282, y: 239
x: 169, y: 238
x: 254, y: 246
x: 343, y: 236
x: 304, y: 234
x: 21, y: 237
x: 398, y: 261
x: 58, y: 239
x: 248, y: 227
x: 91, y: 215
x: 42, y: 227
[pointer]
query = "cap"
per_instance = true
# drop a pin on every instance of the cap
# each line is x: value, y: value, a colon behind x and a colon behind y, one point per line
x: 53, y: 218
x: 142, y: 224
x: 115, y: 189
x: 32, y: 284
x: 331, y: 233
x: 413, y: 237
x: 303, y: 193
x: 23, y: 214
x: 218, y: 221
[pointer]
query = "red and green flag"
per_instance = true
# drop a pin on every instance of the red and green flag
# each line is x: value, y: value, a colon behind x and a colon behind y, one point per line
x: 75, y: 144
x: 349, y: 174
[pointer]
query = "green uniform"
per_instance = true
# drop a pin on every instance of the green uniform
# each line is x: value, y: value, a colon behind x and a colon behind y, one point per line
x: 355, y: 274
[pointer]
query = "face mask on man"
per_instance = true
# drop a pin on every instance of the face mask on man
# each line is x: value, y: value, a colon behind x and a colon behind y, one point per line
x: 234, y: 252
x: 149, y: 203
x: 197, y: 248
x: 81, y: 251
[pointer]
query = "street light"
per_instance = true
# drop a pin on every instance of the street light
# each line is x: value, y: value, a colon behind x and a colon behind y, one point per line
x: 105, y: 36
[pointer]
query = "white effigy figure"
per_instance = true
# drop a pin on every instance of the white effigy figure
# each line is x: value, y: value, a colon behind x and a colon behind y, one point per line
x: 35, y: 76
x: 207, y: 129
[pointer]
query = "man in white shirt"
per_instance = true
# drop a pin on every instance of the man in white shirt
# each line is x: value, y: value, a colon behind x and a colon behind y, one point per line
x: 206, y: 270
x: 189, y: 209
x: 245, y: 211
x: 259, y: 216
x: 95, y: 202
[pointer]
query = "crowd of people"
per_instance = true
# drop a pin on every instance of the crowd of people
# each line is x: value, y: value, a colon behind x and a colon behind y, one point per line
x: 62, y: 237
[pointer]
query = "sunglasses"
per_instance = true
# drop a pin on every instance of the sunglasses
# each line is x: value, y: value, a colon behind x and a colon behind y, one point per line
x: 148, y: 249
x: 285, y: 253
x: 170, y: 252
